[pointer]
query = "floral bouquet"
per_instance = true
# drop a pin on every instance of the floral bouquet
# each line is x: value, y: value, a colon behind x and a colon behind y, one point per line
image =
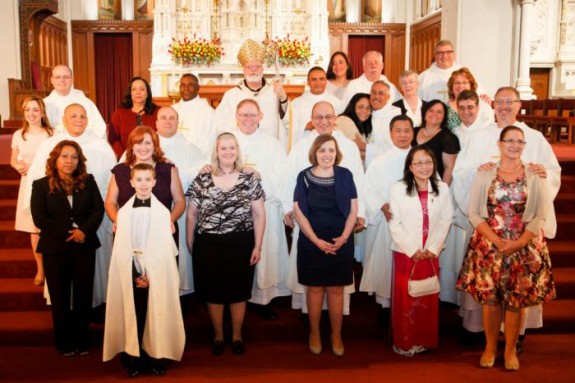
x: 196, y: 51
x: 289, y: 52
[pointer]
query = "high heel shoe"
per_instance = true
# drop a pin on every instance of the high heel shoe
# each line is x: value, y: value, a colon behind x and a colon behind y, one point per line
x: 487, y: 360
x: 314, y: 345
x: 512, y: 364
x: 337, y: 349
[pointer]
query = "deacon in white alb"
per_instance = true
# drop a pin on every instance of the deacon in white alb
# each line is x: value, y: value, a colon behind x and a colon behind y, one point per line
x: 382, y: 173
x: 382, y: 113
x: 461, y: 230
x: 196, y: 116
x: 63, y: 95
x: 372, y: 72
x: 188, y: 159
x: 265, y: 154
x: 433, y: 80
x: 301, y: 124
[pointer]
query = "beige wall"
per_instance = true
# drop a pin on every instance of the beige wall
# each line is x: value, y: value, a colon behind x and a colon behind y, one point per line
x: 10, y: 45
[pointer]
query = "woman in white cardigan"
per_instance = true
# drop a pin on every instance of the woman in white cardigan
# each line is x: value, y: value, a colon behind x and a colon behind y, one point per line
x: 422, y: 213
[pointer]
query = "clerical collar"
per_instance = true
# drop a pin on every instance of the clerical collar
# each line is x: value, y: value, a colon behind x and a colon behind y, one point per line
x: 142, y: 202
x: 256, y: 91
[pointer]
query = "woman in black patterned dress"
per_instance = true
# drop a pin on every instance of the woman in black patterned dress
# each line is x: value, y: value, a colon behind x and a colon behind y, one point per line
x: 224, y: 231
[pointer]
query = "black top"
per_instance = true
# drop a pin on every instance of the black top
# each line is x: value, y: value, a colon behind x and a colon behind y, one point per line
x: 54, y: 216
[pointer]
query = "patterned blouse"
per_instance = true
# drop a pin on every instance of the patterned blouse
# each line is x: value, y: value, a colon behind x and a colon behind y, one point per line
x: 224, y: 211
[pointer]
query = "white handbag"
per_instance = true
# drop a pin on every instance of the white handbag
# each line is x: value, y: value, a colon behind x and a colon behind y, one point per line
x: 422, y: 287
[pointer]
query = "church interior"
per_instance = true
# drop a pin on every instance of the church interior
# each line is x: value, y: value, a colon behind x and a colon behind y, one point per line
x: 526, y: 44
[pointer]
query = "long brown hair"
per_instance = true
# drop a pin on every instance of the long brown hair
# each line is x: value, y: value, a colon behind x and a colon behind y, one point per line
x: 79, y: 176
x: 43, y: 119
x: 137, y: 136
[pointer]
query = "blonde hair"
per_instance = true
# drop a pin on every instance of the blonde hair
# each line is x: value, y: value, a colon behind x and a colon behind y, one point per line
x: 215, y: 163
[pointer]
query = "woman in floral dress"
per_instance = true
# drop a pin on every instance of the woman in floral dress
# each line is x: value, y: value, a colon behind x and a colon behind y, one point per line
x: 507, y: 266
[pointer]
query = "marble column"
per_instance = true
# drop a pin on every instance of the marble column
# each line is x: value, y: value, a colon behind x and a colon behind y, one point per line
x: 523, y: 83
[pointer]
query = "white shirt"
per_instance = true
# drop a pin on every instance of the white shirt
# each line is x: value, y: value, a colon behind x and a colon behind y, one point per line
x: 55, y: 105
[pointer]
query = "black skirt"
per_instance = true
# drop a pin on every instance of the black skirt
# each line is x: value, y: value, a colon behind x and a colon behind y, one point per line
x: 222, y: 270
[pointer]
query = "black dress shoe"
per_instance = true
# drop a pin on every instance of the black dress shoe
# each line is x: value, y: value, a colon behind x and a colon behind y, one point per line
x: 268, y: 313
x: 132, y: 372
x: 159, y: 370
x: 218, y: 347
x: 238, y: 347
x: 264, y: 311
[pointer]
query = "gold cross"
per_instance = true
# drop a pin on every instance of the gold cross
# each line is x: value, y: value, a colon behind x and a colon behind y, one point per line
x: 247, y: 162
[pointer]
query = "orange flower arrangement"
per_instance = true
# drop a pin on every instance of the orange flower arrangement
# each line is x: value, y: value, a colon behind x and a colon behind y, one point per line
x: 290, y: 52
x: 196, y: 51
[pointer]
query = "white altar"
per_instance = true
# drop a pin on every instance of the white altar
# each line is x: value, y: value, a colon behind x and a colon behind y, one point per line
x: 234, y: 21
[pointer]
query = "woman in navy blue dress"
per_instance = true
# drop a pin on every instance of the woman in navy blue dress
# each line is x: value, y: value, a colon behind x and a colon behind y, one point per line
x: 325, y: 207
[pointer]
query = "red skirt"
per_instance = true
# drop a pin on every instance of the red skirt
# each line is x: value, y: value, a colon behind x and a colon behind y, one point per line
x: 415, y: 321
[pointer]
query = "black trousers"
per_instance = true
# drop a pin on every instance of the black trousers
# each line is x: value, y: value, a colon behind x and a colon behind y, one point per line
x: 141, y: 307
x: 70, y: 279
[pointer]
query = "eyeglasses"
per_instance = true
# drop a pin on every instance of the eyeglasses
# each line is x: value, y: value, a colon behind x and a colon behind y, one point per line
x: 511, y: 141
x: 379, y: 93
x: 404, y: 83
x: 466, y: 107
x: 61, y: 77
x: 247, y: 115
x: 458, y: 83
x: 422, y: 163
x: 500, y: 102
x: 327, y: 117
x: 163, y: 118
x: 441, y: 53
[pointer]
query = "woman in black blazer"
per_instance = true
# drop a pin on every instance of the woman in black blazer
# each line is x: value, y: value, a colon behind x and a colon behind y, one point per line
x: 67, y: 208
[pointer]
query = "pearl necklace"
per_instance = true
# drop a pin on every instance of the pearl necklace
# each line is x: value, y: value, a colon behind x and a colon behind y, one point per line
x: 513, y: 170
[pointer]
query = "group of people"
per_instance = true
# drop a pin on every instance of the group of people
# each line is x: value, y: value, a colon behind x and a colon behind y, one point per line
x: 437, y: 199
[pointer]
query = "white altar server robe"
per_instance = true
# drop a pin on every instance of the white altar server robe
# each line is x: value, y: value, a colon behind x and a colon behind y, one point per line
x: 164, y: 335
x: 197, y: 123
x: 384, y: 171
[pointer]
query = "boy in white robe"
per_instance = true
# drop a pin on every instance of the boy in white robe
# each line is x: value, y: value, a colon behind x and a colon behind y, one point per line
x: 143, y: 317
